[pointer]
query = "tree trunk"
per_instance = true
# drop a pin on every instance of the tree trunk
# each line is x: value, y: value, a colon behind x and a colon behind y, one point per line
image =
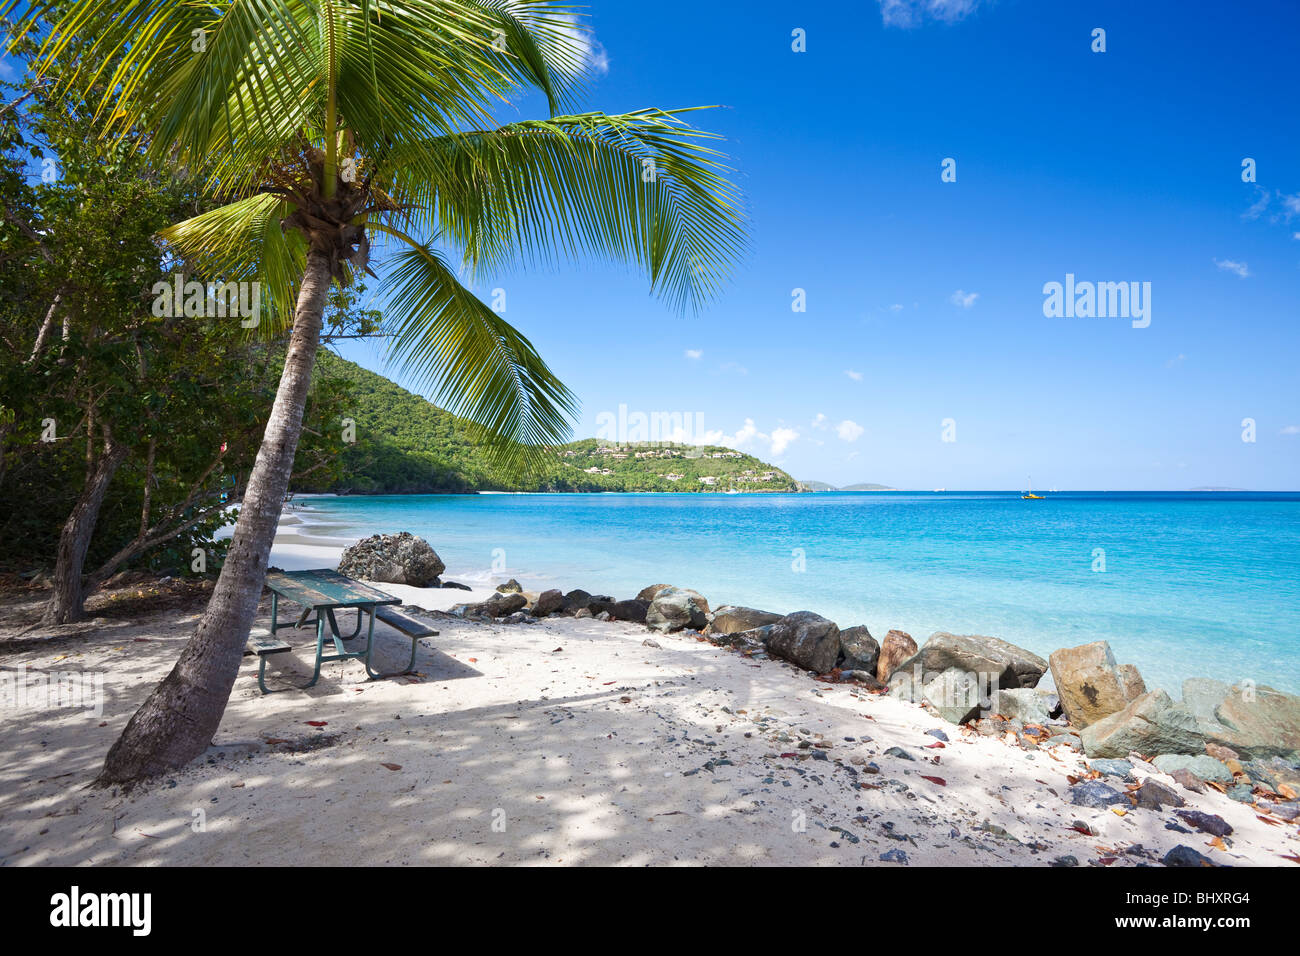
x: 177, y: 722
x: 67, y: 602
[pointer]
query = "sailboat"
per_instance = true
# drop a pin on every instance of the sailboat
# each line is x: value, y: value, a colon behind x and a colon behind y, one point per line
x: 1030, y: 493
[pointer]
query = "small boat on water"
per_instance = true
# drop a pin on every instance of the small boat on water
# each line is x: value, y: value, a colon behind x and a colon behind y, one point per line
x: 1030, y: 493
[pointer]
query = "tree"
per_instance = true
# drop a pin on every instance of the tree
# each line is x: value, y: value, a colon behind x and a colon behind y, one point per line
x: 332, y: 124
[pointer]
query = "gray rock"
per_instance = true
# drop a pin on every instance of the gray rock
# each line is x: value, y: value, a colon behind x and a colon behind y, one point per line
x: 1112, y: 768
x: 393, y: 559
x: 1152, y: 724
x: 1186, y: 856
x: 1094, y: 793
x: 1205, y: 822
x: 900, y: 753
x: 575, y: 601
x: 894, y: 856
x: 1025, y: 704
x: 996, y: 660
x: 860, y: 651
x: 631, y: 610
x: 499, y: 605
x: 548, y: 602
x: 955, y: 695
x: 1201, y: 695
x: 1242, y: 793
x: 510, y: 587
x: 806, y: 639
x: 674, y: 609
x: 730, y: 619
x: 1201, y: 766
x: 1188, y: 780
x: 1089, y: 682
x: 648, y: 594
x: 457, y: 585
x: 583, y: 612
x: 1257, y: 722
x: 1153, y: 795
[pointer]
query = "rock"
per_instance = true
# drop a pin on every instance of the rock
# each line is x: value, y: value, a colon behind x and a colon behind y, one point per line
x: 651, y: 642
x: 499, y: 605
x: 1152, y: 724
x: 1185, y: 856
x: 1090, y: 684
x: 1188, y: 780
x: 860, y: 651
x: 1220, y: 752
x: 1065, y: 861
x: 955, y: 694
x: 674, y: 609
x: 1257, y: 722
x: 1094, y: 793
x: 583, y: 612
x: 806, y: 639
x: 990, y: 658
x: 900, y: 753
x: 1201, y: 696
x: 730, y: 619
x: 457, y: 585
x: 510, y: 587
x: 648, y: 594
x: 866, y: 678
x: 1242, y: 793
x: 1200, y: 766
x: 603, y: 616
x: 393, y: 559
x: 1134, y: 685
x: 1205, y: 822
x: 894, y: 856
x: 1025, y: 704
x: 1287, y: 811
x: 1112, y: 768
x: 548, y: 602
x: 575, y: 601
x: 1153, y: 795
x: 937, y: 735
x: 897, y: 647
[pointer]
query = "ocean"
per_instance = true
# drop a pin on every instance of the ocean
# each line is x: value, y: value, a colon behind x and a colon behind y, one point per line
x: 1181, y: 584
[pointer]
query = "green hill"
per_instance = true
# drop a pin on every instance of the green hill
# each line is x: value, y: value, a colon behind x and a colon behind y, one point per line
x: 405, y: 444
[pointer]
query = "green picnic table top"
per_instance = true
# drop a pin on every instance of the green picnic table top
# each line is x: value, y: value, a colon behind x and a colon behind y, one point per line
x: 324, y: 588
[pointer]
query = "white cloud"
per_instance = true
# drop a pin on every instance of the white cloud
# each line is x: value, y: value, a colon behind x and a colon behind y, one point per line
x: 856, y: 376
x: 1228, y: 265
x: 912, y: 13
x: 1259, y: 205
x: 1178, y: 359
x: 849, y: 430
x: 748, y: 434
x: 820, y: 422
x: 694, y: 353
x: 1292, y: 205
x: 896, y: 307
x: 963, y: 298
x: 781, y: 438
x: 1295, y: 235
x: 734, y: 367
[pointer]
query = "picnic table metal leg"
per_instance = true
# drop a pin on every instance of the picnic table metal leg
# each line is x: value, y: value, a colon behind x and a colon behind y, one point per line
x: 275, y: 611
x: 320, y: 647
x: 370, y: 646
x: 334, y: 626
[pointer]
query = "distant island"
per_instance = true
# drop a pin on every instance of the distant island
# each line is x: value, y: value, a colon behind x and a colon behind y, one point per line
x: 407, y: 445
x: 863, y: 486
x: 1216, y: 489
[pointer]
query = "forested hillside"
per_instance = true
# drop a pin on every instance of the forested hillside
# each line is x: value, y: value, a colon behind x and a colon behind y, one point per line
x: 405, y: 444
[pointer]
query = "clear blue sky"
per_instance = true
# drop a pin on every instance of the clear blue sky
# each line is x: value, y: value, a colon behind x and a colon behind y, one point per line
x: 1115, y: 166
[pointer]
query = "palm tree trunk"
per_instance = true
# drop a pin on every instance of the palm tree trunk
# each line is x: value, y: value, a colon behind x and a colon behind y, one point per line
x: 177, y: 722
x: 67, y: 603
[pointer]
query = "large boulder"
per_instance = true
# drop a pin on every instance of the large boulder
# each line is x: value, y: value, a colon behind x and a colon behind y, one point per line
x: 674, y: 609
x: 511, y: 587
x: 955, y: 695
x: 806, y: 639
x: 897, y: 647
x: 393, y: 559
x: 1201, y: 695
x: 1029, y: 705
x: 548, y: 602
x: 1090, y: 684
x: 1257, y: 721
x: 995, y: 660
x: 1200, y: 766
x: 859, y: 650
x: 1152, y: 724
x: 730, y: 619
x: 633, y: 610
x: 579, y: 600
x: 648, y: 594
x: 501, y: 604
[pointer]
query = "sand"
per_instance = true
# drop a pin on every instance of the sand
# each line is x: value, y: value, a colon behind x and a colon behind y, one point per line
x: 569, y: 741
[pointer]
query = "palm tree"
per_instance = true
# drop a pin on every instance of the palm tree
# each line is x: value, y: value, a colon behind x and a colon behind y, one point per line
x: 332, y: 124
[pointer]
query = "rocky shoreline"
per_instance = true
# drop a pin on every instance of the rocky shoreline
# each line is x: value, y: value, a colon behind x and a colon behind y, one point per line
x: 1241, y: 740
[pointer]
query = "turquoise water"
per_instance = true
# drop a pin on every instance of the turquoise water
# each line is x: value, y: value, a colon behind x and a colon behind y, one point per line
x: 1195, y: 584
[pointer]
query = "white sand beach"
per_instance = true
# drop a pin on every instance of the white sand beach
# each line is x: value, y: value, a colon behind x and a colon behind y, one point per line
x: 566, y: 741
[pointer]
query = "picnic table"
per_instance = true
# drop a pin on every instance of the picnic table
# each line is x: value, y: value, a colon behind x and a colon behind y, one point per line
x: 323, y: 591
